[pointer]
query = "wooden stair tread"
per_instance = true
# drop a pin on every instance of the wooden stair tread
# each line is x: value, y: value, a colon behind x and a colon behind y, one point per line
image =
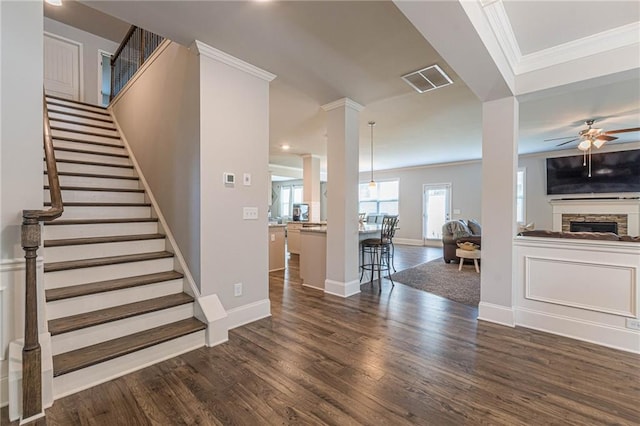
x: 109, y: 285
x: 67, y: 139
x: 104, y: 261
x: 96, y: 175
x: 95, y: 126
x: 84, y: 151
x: 99, y: 221
x: 60, y: 98
x: 97, y: 189
x: 102, y: 316
x: 101, y: 240
x: 72, y: 114
x: 84, y: 132
x: 83, y: 204
x: 77, y: 107
x: 95, y: 163
x: 91, y: 355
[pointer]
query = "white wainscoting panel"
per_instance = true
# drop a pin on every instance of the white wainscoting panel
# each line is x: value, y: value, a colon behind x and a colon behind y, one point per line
x: 595, y: 286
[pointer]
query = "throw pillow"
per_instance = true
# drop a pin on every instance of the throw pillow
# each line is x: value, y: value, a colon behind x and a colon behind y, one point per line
x: 474, y: 227
x: 460, y: 230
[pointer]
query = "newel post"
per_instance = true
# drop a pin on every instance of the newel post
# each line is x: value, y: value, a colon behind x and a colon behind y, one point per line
x: 31, y: 355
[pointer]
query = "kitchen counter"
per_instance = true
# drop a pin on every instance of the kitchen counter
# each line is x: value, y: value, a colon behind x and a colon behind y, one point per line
x: 277, y: 256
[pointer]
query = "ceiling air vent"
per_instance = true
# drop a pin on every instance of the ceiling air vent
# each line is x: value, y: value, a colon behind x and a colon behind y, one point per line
x: 427, y: 79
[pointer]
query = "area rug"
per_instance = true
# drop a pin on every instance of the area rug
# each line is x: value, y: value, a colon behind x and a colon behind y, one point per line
x: 444, y: 279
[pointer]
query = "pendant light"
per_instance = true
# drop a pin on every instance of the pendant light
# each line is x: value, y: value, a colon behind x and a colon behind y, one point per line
x: 372, y: 183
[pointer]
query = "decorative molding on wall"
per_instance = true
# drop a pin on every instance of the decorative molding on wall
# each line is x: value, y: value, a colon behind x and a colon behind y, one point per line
x: 248, y: 313
x: 578, y: 284
x: 344, y: 102
x: 600, y: 334
x: 220, y: 56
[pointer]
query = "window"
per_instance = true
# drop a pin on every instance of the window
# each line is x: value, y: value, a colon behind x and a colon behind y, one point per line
x: 520, y: 193
x: 381, y: 199
x: 289, y: 195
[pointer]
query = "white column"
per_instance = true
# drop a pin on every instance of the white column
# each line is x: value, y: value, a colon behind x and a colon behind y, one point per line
x: 499, y: 165
x: 311, y: 191
x: 342, y: 197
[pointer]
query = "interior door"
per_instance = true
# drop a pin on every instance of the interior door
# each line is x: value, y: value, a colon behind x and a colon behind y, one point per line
x: 62, y: 65
x: 436, y: 210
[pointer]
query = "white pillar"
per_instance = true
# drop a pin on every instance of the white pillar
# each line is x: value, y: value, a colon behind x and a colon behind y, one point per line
x: 342, y: 197
x: 499, y: 165
x: 311, y: 191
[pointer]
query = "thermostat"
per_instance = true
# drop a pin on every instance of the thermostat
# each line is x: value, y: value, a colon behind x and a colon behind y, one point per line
x: 229, y: 178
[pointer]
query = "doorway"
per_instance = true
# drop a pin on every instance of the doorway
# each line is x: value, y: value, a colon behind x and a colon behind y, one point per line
x: 436, y: 210
x: 62, y: 67
x: 104, y: 77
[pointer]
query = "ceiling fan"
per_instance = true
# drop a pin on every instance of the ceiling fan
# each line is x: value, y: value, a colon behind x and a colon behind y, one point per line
x: 591, y: 137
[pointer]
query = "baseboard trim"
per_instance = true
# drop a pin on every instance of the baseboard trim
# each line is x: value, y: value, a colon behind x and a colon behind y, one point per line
x: 312, y: 287
x: 4, y: 390
x: 600, y: 334
x: 245, y: 314
x: 408, y: 241
x: 497, y: 314
x: 341, y: 289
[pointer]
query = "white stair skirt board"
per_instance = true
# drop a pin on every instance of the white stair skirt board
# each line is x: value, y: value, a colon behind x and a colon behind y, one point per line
x: 70, y: 110
x: 90, y: 251
x: 498, y: 314
x: 113, y: 149
x: 93, y: 302
x: 71, y: 341
x: 84, y: 127
x: 66, y: 134
x: 56, y: 232
x: 342, y: 289
x: 95, y: 182
x: 73, y: 105
x: 54, y: 116
x: 109, y: 272
x: 248, y: 313
x: 93, y: 157
x: 105, y: 212
x: 94, y: 169
x: 91, y: 376
x: 88, y: 196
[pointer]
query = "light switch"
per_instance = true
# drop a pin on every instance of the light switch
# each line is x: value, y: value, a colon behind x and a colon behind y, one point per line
x: 246, y: 179
x: 250, y: 213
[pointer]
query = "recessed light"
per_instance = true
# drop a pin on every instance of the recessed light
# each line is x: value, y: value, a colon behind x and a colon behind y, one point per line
x: 285, y: 147
x: 54, y: 2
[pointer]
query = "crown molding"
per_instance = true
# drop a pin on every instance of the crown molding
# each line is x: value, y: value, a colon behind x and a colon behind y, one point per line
x: 220, y: 56
x: 594, y: 44
x: 344, y: 102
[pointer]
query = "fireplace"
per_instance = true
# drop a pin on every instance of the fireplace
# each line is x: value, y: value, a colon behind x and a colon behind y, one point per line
x: 625, y: 212
x: 593, y: 227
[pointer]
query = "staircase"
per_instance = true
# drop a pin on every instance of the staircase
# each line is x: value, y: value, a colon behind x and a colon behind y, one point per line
x: 114, y: 302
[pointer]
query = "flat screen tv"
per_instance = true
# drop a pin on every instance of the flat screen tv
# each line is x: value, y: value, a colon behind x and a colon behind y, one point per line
x: 611, y: 172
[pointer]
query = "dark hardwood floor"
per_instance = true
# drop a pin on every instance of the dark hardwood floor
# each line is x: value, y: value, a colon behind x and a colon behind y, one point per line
x: 398, y: 357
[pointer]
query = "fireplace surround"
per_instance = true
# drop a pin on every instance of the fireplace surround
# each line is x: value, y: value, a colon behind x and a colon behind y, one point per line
x: 625, y: 212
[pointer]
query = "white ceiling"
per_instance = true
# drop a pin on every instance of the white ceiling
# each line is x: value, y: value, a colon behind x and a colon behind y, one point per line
x: 322, y: 51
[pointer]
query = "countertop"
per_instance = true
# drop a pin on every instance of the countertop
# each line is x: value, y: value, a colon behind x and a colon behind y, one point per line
x: 362, y: 229
x: 277, y: 225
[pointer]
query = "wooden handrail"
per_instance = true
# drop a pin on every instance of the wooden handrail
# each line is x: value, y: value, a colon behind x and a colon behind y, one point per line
x: 125, y: 40
x: 31, y: 353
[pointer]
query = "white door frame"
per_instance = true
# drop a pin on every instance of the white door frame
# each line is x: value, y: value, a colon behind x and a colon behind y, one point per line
x: 80, y: 60
x: 101, y: 53
x: 447, y: 185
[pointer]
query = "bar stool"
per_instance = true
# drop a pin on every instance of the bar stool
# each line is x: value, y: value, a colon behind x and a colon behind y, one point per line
x: 379, y: 251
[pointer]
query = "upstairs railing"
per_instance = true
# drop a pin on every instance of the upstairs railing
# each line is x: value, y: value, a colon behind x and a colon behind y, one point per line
x: 136, y: 47
x: 31, y: 355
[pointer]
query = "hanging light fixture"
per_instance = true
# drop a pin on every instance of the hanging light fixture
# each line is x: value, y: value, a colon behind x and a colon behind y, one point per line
x: 372, y: 183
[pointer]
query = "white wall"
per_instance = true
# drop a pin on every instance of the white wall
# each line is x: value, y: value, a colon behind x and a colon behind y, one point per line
x: 21, y: 181
x: 90, y: 45
x: 159, y: 116
x: 234, y: 105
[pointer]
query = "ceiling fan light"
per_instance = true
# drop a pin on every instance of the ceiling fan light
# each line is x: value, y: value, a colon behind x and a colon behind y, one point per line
x: 599, y: 142
x: 584, y: 145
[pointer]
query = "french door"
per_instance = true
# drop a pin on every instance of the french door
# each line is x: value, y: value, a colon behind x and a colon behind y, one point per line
x: 436, y: 210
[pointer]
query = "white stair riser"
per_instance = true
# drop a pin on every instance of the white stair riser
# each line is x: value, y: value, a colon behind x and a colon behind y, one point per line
x: 102, y: 273
x: 113, y: 149
x: 109, y: 299
x: 56, y: 232
x: 101, y: 333
x: 66, y: 134
x: 84, y: 128
x: 90, y: 251
x: 71, y: 212
x: 72, y: 196
x: 100, y: 373
x: 81, y: 120
x: 64, y: 109
x: 73, y: 105
x: 92, y: 182
x: 80, y: 156
x: 100, y: 170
